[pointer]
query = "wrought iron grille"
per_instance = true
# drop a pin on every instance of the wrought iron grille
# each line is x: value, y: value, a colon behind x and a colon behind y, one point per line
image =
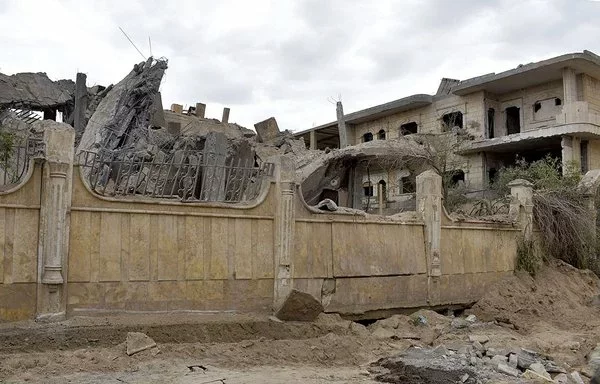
x: 15, y: 162
x: 186, y: 175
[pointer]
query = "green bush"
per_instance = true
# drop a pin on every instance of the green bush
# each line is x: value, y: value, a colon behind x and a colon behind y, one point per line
x: 545, y: 174
x: 7, y: 142
x: 528, y: 257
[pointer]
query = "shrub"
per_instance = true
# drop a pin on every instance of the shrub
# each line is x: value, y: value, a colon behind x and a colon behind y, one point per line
x: 528, y: 256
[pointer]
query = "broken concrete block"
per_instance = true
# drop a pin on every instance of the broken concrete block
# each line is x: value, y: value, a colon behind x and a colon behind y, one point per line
x: 525, y: 358
x: 540, y: 370
x: 513, y: 360
x: 506, y: 370
x: 177, y: 108
x: 299, y: 306
x: 561, y: 379
x: 536, y: 377
x: 479, y: 338
x: 383, y: 333
x: 267, y: 130
x: 327, y: 205
x: 576, y: 378
x: 498, y: 359
x: 137, y: 342
x: 359, y: 329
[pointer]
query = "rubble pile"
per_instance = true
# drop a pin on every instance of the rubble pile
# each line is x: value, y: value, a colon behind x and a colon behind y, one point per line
x: 122, y: 118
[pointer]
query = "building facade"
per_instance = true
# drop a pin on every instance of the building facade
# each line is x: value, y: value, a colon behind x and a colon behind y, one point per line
x: 551, y: 107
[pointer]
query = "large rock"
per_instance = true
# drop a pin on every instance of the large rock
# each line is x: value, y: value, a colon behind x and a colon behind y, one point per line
x: 138, y: 342
x: 299, y: 306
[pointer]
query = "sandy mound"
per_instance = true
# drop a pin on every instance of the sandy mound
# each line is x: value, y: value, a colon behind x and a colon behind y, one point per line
x: 559, y: 295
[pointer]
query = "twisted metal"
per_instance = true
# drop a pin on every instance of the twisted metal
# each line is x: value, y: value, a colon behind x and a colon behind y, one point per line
x: 185, y: 175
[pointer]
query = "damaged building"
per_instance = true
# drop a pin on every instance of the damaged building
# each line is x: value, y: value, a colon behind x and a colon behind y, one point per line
x: 551, y: 107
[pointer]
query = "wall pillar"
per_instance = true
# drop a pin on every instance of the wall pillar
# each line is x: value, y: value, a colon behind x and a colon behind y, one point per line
x: 284, y: 230
x: 569, y: 85
x: 313, y: 139
x: 570, y: 152
x: 53, y: 245
x: 521, y: 205
x: 429, y: 207
x: 343, y: 133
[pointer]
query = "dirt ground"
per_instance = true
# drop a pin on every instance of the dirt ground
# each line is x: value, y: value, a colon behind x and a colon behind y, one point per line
x: 555, y: 314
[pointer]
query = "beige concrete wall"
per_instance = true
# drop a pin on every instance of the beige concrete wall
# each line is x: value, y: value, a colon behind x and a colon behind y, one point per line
x: 378, y: 263
x: 134, y: 255
x: 19, y: 218
x: 590, y: 90
x: 150, y: 255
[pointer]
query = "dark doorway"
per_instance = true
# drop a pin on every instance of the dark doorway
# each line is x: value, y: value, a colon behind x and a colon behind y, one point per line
x: 367, y: 137
x: 491, y: 115
x: 513, y: 120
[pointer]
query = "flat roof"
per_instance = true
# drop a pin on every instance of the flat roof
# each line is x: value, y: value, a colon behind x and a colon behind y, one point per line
x: 521, y: 77
x: 531, y: 74
x: 382, y: 110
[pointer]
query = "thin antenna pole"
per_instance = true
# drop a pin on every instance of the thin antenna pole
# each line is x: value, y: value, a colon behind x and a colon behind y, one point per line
x: 150, y: 44
x: 136, y: 48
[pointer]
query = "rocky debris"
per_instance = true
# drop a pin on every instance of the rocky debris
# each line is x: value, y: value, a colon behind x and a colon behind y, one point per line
x: 561, y: 379
x: 322, y: 170
x: 506, y: 370
x: 299, y: 306
x: 576, y: 378
x: 327, y: 205
x: 482, y: 339
x: 138, y: 342
x: 536, y: 377
x: 383, y: 333
x: 540, y: 370
x: 359, y: 329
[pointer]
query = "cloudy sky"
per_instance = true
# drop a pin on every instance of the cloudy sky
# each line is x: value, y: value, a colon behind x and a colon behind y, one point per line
x: 290, y: 58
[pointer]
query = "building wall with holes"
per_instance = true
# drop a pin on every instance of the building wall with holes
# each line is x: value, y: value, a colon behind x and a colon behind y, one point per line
x: 538, y: 106
x: 428, y: 119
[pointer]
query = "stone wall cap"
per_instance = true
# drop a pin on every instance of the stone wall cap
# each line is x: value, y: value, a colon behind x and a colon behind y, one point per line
x: 520, y: 183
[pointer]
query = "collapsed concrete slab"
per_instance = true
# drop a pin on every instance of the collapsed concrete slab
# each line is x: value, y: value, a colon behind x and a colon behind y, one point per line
x: 122, y: 118
x: 299, y: 306
x: 35, y: 90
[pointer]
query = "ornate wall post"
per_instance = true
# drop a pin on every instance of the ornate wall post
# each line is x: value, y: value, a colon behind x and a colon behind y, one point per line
x: 429, y: 207
x: 284, y: 230
x: 54, y: 221
x: 521, y: 206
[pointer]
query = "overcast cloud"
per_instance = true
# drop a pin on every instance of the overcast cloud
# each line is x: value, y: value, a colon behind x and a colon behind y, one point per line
x: 286, y: 58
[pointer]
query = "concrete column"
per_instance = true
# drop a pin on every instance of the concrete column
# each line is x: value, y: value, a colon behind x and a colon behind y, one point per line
x: 521, y: 205
x: 81, y: 103
x: 313, y: 140
x: 429, y: 207
x: 341, y: 125
x: 200, y: 110
x: 54, y: 221
x: 567, y: 152
x: 380, y: 198
x: 225, y: 118
x: 569, y: 85
x: 284, y: 230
